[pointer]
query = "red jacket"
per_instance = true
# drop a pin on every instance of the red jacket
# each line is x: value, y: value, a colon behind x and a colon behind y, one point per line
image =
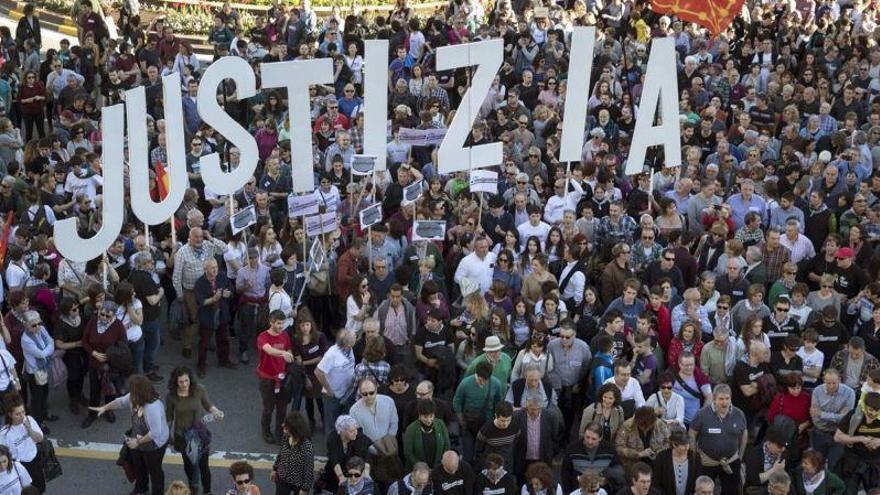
x: 664, y: 325
x: 796, y: 407
x: 93, y: 341
x: 676, y: 348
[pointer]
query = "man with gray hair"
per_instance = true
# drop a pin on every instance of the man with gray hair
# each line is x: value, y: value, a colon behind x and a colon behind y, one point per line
x: 719, y: 436
x: 691, y: 309
x: 335, y: 372
x: 418, y: 482
x: 150, y: 293
x: 704, y: 485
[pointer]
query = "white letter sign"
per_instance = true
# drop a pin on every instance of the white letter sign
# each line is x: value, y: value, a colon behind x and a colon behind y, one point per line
x: 297, y: 76
x: 580, y: 65
x: 376, y: 100
x: 487, y: 56
x: 661, y: 82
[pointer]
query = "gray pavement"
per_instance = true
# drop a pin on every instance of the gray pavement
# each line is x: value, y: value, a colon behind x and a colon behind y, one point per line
x: 85, y: 454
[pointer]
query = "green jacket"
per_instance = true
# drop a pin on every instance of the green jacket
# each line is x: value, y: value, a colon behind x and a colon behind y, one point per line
x: 412, y: 445
x: 501, y: 371
x: 832, y: 485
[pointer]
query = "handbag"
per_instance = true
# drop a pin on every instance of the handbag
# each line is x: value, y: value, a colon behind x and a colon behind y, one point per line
x: 57, y: 370
x: 386, y: 446
x: 51, y: 465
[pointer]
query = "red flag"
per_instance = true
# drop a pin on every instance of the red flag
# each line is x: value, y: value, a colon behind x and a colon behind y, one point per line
x: 4, y: 241
x: 714, y: 15
x: 161, y: 180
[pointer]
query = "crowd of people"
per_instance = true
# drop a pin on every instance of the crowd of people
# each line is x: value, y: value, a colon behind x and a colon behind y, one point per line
x: 708, y: 328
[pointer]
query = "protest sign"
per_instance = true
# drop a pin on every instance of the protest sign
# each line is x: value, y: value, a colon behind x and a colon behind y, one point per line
x: 412, y: 193
x: 484, y: 181
x: 300, y: 206
x: 429, y: 230
x: 371, y: 215
x: 362, y: 164
x: 320, y: 224
x: 244, y: 219
x: 316, y: 254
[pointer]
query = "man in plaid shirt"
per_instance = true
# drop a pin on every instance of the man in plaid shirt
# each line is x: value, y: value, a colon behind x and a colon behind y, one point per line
x: 775, y: 254
x: 189, y: 265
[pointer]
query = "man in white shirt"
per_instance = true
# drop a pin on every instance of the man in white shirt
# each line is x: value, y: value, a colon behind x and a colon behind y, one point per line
x: 335, y: 372
x: 534, y: 227
x: 477, y: 266
x: 630, y: 389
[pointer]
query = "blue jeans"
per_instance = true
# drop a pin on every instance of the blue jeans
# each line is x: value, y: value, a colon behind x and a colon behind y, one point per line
x: 137, y: 355
x: 333, y: 408
x: 152, y: 339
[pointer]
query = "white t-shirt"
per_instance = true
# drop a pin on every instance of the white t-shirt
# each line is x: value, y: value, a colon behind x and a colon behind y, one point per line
x: 234, y: 254
x: 816, y: 358
x: 16, y: 275
x: 339, y: 369
x: 12, y: 481
x: 83, y: 185
x: 133, y: 332
x: 632, y: 391
x: 7, y: 367
x: 281, y: 301
x: 351, y: 310
x: 21, y: 445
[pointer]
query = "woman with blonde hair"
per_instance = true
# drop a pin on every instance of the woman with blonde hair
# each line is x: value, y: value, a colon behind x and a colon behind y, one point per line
x: 177, y: 487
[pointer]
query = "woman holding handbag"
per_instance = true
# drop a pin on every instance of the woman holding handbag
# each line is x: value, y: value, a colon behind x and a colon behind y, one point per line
x: 130, y: 313
x: 149, y: 433
x: 184, y: 404
x: 37, y: 346
x: 22, y: 435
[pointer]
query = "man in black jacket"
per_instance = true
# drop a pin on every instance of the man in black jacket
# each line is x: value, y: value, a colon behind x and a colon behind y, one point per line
x: 590, y: 454
x: 453, y: 476
x: 542, y: 447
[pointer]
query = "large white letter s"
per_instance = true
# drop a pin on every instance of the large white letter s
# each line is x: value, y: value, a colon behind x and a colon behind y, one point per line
x: 237, y: 69
x: 487, y: 56
x: 66, y: 235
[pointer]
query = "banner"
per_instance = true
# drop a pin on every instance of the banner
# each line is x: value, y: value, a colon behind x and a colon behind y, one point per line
x: 244, y: 219
x: 370, y: 215
x: 421, y: 137
x: 362, y: 164
x: 429, y: 230
x: 484, y: 181
x: 412, y: 193
x: 320, y: 224
x: 303, y: 205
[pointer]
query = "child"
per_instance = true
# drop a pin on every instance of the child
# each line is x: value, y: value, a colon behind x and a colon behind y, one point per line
x: 602, y: 366
x: 616, y: 330
x: 799, y: 310
x: 812, y: 359
x: 872, y: 384
x: 644, y: 363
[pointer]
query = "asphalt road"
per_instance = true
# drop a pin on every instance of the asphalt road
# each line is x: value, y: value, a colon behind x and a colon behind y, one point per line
x: 88, y: 455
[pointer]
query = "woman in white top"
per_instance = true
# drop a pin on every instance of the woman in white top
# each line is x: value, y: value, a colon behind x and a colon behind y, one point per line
x: 668, y: 405
x: 269, y: 247
x: 234, y: 256
x: 359, y: 304
x: 355, y: 62
x: 130, y: 314
x: 21, y: 435
x: 13, y: 476
x: 278, y: 299
x: 752, y: 329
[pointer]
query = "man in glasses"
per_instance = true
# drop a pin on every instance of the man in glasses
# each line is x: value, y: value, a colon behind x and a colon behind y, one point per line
x: 242, y: 475
x: 374, y: 411
x: 779, y: 324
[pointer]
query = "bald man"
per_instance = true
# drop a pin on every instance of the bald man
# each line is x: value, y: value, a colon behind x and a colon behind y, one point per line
x: 453, y: 476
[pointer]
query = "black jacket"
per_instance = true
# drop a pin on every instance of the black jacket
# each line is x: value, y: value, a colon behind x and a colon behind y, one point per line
x: 459, y: 483
x: 664, y: 473
x: 551, y: 432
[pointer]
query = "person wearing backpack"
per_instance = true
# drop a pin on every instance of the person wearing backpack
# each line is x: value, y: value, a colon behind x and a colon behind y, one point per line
x: 102, y: 332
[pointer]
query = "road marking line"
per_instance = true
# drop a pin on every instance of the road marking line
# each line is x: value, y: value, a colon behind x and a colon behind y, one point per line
x: 110, y: 452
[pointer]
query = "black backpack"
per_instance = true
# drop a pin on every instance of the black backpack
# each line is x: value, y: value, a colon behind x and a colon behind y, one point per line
x: 120, y: 359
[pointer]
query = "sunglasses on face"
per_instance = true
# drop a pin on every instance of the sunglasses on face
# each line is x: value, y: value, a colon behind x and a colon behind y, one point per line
x: 242, y: 481
x: 353, y: 474
x: 368, y: 393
